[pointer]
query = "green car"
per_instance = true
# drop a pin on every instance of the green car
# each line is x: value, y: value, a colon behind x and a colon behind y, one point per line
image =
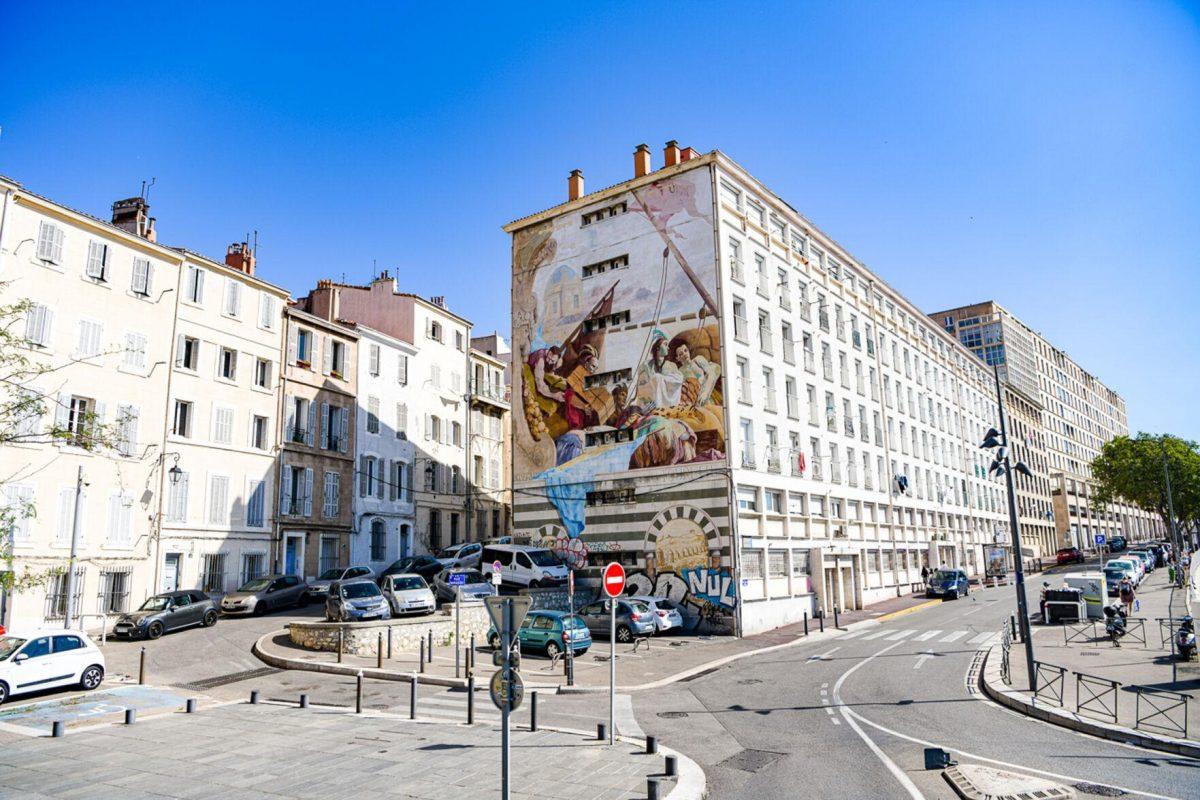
x: 545, y: 630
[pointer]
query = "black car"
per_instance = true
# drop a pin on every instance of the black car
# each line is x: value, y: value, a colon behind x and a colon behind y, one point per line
x: 168, y: 611
x: 1117, y: 544
x: 426, y: 566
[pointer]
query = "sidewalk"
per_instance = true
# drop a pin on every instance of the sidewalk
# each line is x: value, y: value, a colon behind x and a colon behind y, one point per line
x: 276, y: 751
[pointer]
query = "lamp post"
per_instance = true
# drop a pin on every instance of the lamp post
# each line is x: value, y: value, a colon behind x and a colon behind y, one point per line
x: 1004, y: 466
x: 1162, y: 444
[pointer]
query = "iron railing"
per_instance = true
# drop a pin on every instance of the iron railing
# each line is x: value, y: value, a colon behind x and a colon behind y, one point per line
x: 1049, y: 680
x: 1161, y: 710
x: 1166, y: 629
x: 1079, y: 631
x: 1135, y: 630
x: 1096, y: 696
x: 1005, y: 663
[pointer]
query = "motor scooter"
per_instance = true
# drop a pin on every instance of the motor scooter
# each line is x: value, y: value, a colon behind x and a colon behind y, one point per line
x: 1185, y: 639
x: 1114, y: 623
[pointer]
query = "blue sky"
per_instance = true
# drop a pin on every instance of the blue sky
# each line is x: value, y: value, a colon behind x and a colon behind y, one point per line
x: 1048, y: 157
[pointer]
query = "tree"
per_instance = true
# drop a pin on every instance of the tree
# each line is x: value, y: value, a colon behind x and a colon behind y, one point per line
x: 1132, y: 469
x: 27, y: 398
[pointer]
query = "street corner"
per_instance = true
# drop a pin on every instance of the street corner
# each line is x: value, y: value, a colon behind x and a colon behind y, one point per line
x: 87, y: 708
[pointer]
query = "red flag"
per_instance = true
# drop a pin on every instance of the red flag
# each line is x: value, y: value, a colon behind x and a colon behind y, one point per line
x: 800, y: 463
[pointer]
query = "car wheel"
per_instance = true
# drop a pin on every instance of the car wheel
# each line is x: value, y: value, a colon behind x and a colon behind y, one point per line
x: 3, y: 692
x: 91, y: 677
x: 624, y: 634
x: 260, y: 608
x: 494, y: 642
x: 952, y: 594
x: 154, y: 631
x: 535, y: 584
x: 210, y: 618
x: 552, y: 649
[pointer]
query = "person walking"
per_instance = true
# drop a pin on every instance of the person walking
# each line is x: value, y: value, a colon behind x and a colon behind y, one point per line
x: 1042, y: 599
x: 1125, y: 590
x: 925, y: 574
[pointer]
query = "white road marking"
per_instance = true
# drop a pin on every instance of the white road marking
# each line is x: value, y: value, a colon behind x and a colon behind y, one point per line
x: 922, y: 658
x: 926, y: 636
x: 836, y: 721
x: 972, y: 611
x: 626, y: 723
x: 824, y: 656
x: 952, y: 636
x: 829, y: 711
x: 898, y: 635
x: 983, y: 637
x: 876, y: 635
x: 899, y: 774
x: 852, y: 634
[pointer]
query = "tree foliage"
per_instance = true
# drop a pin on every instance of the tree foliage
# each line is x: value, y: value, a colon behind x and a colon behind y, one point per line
x: 1132, y: 469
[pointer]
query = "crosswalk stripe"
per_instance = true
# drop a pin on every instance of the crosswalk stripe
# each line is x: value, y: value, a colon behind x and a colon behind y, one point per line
x: 898, y: 635
x: 852, y: 634
x: 953, y: 636
x: 926, y: 636
x: 884, y: 632
x: 981, y: 638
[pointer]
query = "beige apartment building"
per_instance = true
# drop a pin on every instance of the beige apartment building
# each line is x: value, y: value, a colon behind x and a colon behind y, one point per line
x: 488, y: 477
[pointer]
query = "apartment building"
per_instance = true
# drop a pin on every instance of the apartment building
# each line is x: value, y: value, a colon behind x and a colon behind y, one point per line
x: 718, y: 395
x: 1078, y: 414
x: 384, y: 509
x: 1027, y: 439
x: 487, y: 437
x: 97, y: 329
x: 224, y: 408
x: 315, y: 521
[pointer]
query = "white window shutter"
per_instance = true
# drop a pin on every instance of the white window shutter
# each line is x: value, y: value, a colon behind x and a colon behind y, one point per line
x: 114, y: 518
x: 45, y: 243
x: 149, y: 277
x: 34, y: 323
x: 325, y: 426
x: 363, y: 478
x: 310, y: 436
x: 292, y: 346
x: 58, y: 245
x: 308, y: 482
x: 97, y: 255
x: 66, y: 511
x: 327, y: 361
x: 344, y: 435
x: 285, y: 490
x: 380, y: 477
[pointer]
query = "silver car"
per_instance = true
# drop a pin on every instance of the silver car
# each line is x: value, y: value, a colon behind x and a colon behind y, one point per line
x: 317, y: 589
x: 260, y: 595
x: 356, y: 601
x: 408, y: 594
x: 471, y: 581
x: 664, y: 611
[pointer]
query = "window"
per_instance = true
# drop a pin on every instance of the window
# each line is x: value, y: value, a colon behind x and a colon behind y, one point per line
x: 78, y: 417
x: 747, y: 430
x: 337, y: 423
x: 227, y: 364
x: 233, y: 298
x: 747, y: 498
x: 368, y: 475
x: 177, y: 499
x: 135, y: 350
x: 458, y: 340
x: 266, y: 311
x: 256, y: 503
x: 212, y: 576
x: 336, y: 356
x: 91, y: 337
x: 187, y: 353
x: 605, y: 266
x: 127, y: 430
x: 182, y: 425
x: 120, y: 519
x: 378, y: 540
x: 373, y: 415
x: 304, y: 344
x: 602, y: 213
x: 373, y: 360
x: 193, y: 286
x: 114, y: 593
x: 37, y: 325
x: 56, y: 606
x: 402, y: 370
x: 456, y: 434
x: 253, y: 566
x: 259, y: 433
x: 333, y: 487
x: 222, y: 425
x: 300, y: 420
x: 97, y: 261
x: 295, y: 491
x: 401, y: 421
x: 435, y: 330
x: 262, y: 373
x: 773, y: 501
x: 218, y: 499
x: 49, y: 243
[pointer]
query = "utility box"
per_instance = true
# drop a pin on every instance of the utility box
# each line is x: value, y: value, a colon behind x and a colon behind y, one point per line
x: 1094, y: 588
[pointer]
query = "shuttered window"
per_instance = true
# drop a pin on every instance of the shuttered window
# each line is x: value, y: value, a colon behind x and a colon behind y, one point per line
x: 218, y: 500
x: 50, y: 242
x: 143, y: 276
x: 37, y: 324
x: 97, y: 261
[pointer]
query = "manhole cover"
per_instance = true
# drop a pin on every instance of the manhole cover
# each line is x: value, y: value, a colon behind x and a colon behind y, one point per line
x: 750, y: 681
x: 672, y: 714
x: 751, y: 760
x: 1098, y: 790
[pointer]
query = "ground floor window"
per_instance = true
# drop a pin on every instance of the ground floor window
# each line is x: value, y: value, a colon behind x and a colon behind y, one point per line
x: 56, y: 593
x: 329, y: 554
x: 378, y: 540
x: 212, y: 576
x: 253, y: 566
x: 752, y: 566
x: 114, y: 590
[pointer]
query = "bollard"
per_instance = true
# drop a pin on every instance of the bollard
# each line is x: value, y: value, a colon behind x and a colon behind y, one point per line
x: 389, y: 643
x: 533, y: 711
x: 470, y: 699
x: 130, y: 716
x: 254, y: 697
x: 190, y: 708
x: 836, y: 624
x: 472, y: 666
x: 422, y: 657
x: 429, y: 649
x: 651, y: 745
x: 341, y: 643
x: 142, y: 667
x: 358, y: 689
x: 1012, y: 622
x: 672, y: 768
x: 601, y: 731
x: 412, y: 697
x: 379, y: 652
x: 467, y: 660
x: 652, y: 789
x: 806, y: 623
x: 304, y: 701
x: 57, y: 729
x: 821, y: 619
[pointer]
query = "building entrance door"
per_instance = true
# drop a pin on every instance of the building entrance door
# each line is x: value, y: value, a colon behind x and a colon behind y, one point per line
x: 170, y: 573
x: 293, y: 554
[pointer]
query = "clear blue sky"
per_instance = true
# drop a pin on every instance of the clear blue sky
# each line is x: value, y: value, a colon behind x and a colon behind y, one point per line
x: 1046, y: 157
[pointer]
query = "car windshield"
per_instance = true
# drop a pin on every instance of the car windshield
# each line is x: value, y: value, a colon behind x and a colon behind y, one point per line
x: 543, y: 558
x: 256, y: 585
x: 945, y: 575
x: 1114, y: 573
x: 9, y: 645
x: 450, y: 552
x: 401, y: 565
x: 331, y: 574
x: 666, y: 604
x: 639, y: 607
x: 155, y: 604
x: 473, y: 576
x: 404, y: 584
x: 573, y: 622
x: 356, y: 590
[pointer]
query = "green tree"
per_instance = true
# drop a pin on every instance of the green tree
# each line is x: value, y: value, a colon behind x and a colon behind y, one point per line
x: 1132, y: 469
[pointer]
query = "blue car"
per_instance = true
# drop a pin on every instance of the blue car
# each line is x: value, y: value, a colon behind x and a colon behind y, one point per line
x: 549, y: 631
x: 948, y: 583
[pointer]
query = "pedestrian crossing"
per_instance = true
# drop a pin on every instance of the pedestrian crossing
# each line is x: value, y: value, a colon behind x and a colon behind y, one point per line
x: 968, y: 637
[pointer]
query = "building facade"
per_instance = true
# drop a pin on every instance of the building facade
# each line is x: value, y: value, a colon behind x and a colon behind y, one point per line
x: 488, y: 483
x: 315, y: 520
x: 716, y: 394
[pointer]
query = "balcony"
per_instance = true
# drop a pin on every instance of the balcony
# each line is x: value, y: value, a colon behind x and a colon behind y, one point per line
x: 856, y: 339
x: 785, y: 300
x: 773, y: 464
x: 810, y: 361
x: 764, y: 286
x: 764, y: 341
x: 793, y: 406
x: 748, y: 459
x: 848, y: 427
x: 496, y: 394
x: 827, y: 370
x: 870, y: 347
x: 805, y: 311
x: 823, y: 320
x: 789, y: 351
x: 831, y: 421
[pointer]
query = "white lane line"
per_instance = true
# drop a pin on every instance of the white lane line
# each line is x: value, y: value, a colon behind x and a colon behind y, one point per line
x: 852, y: 634
x: 626, y: 723
x: 972, y: 611
x: 982, y: 637
x: 953, y: 636
x: 922, y: 658
x: 836, y: 721
x: 1017, y: 767
x: 876, y: 635
x: 926, y: 636
x: 824, y: 656
x: 898, y: 635
x: 829, y: 711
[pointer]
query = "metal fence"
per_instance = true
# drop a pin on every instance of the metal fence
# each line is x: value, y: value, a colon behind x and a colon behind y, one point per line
x: 1157, y: 709
x: 1096, y: 696
x: 1049, y: 681
x: 1005, y: 663
x: 1166, y: 629
x: 1079, y: 631
x: 1135, y: 631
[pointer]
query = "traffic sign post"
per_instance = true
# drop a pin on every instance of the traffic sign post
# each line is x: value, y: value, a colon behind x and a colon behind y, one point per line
x: 506, y: 688
x: 569, y: 659
x: 613, y: 583
x: 497, y: 576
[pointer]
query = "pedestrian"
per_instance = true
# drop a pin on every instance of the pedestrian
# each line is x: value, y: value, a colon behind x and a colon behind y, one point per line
x: 1042, y: 599
x: 1125, y: 590
x: 925, y: 573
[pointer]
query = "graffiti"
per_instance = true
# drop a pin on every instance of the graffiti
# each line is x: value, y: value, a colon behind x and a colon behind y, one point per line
x: 711, y: 585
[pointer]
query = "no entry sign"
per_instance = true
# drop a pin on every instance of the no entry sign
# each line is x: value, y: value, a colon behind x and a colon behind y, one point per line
x: 614, y: 579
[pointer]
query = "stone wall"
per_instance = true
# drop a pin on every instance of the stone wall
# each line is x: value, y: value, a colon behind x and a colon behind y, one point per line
x: 556, y: 598
x: 406, y: 633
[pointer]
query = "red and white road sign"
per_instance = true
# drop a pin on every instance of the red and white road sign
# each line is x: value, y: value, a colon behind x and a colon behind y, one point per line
x: 614, y: 579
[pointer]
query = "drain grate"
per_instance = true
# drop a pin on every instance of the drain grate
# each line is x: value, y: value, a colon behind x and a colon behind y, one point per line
x: 1098, y: 790
x: 672, y: 714
x: 751, y: 760
x: 224, y: 680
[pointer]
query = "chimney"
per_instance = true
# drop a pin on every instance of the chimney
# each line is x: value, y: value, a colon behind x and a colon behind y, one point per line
x: 671, y: 154
x: 641, y: 161
x: 688, y: 154
x: 133, y: 214
x: 240, y: 256
x: 575, y: 185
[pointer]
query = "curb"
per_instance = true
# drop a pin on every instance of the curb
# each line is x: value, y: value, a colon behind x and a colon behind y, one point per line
x: 990, y: 682
x: 910, y: 610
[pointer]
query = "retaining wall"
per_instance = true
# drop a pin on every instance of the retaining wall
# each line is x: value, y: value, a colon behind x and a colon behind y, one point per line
x: 404, y: 634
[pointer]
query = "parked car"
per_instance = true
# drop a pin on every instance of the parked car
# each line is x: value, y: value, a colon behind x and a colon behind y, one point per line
x: 1112, y: 577
x: 465, y: 555
x: 1139, y: 566
x: 1117, y: 543
x: 948, y: 583
x: 260, y: 595
x: 524, y: 565
x: 1146, y: 556
x: 408, y: 594
x: 46, y: 658
x: 165, y: 612
x: 664, y: 611
x: 1069, y: 555
x: 425, y: 565
x: 474, y: 586
x: 318, y: 589
x: 1127, y: 567
x: 356, y: 601
x: 548, y: 631
x: 633, y: 619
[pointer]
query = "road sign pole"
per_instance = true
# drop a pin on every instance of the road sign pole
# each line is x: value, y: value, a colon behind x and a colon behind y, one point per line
x: 457, y: 641
x: 570, y: 662
x: 506, y: 642
x: 612, y: 667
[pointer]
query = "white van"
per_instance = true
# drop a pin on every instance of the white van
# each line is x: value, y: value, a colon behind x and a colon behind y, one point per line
x: 523, y: 565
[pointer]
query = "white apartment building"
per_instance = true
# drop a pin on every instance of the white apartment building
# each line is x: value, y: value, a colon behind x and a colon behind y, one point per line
x: 220, y: 484
x: 384, y: 518
x: 488, y: 475
x: 103, y: 308
x: 759, y: 427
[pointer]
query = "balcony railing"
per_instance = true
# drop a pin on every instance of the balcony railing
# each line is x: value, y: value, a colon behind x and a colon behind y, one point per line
x: 827, y: 370
x: 793, y: 406
x: 769, y: 400
x: 789, y: 351
x: 743, y: 390
x: 823, y: 320
x: 810, y: 361
x: 764, y: 286
x: 739, y: 328
x: 785, y: 300
x: 764, y: 341
x: 773, y: 464
x: 737, y: 270
x: 748, y: 460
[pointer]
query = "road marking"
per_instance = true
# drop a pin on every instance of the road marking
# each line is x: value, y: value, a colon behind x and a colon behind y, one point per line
x: 951, y: 637
x: 852, y: 634
x: 876, y: 635
x: 829, y: 711
x: 898, y: 635
x: 983, y: 637
x: 824, y: 656
x: 926, y: 636
x: 836, y: 721
x: 972, y: 611
x: 922, y: 658
x: 626, y: 723
x: 899, y: 774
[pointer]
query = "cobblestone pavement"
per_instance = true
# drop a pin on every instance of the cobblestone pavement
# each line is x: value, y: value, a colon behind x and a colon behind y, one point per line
x: 257, y: 752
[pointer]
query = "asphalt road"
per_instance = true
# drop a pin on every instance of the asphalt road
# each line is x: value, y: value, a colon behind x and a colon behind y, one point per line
x: 850, y: 717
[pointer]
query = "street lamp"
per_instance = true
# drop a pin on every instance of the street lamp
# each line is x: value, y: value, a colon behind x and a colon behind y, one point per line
x: 1002, y: 465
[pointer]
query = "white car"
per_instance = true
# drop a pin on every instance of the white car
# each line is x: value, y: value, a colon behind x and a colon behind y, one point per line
x: 46, y: 658
x: 523, y: 565
x: 461, y: 556
x: 663, y: 611
x: 408, y: 594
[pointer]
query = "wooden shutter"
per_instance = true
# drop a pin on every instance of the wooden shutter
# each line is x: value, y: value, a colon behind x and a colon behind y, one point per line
x: 292, y: 345
x: 344, y: 436
x: 364, y: 481
x: 97, y: 256
x: 327, y: 359
x: 308, y: 482
x: 310, y: 434
x: 285, y: 490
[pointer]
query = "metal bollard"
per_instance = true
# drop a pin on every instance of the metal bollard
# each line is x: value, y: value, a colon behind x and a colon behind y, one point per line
x: 429, y: 649
x: 379, y: 652
x: 57, y: 729
x: 1012, y: 622
x: 254, y: 697
x: 422, y: 658
x: 821, y: 619
x: 389, y: 643
x: 652, y: 789
x: 601, y: 731
x: 341, y: 643
x: 142, y: 667
x: 304, y: 701
x: 533, y: 711
x: 412, y: 697
x: 470, y: 699
x: 472, y: 665
x: 190, y: 707
x: 806, y: 623
x: 651, y: 745
x: 130, y: 716
x: 836, y: 624
x: 672, y: 768
x: 358, y: 691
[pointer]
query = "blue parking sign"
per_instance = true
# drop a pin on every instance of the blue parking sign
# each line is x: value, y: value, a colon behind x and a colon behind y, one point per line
x: 1100, y: 538
x: 458, y: 578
